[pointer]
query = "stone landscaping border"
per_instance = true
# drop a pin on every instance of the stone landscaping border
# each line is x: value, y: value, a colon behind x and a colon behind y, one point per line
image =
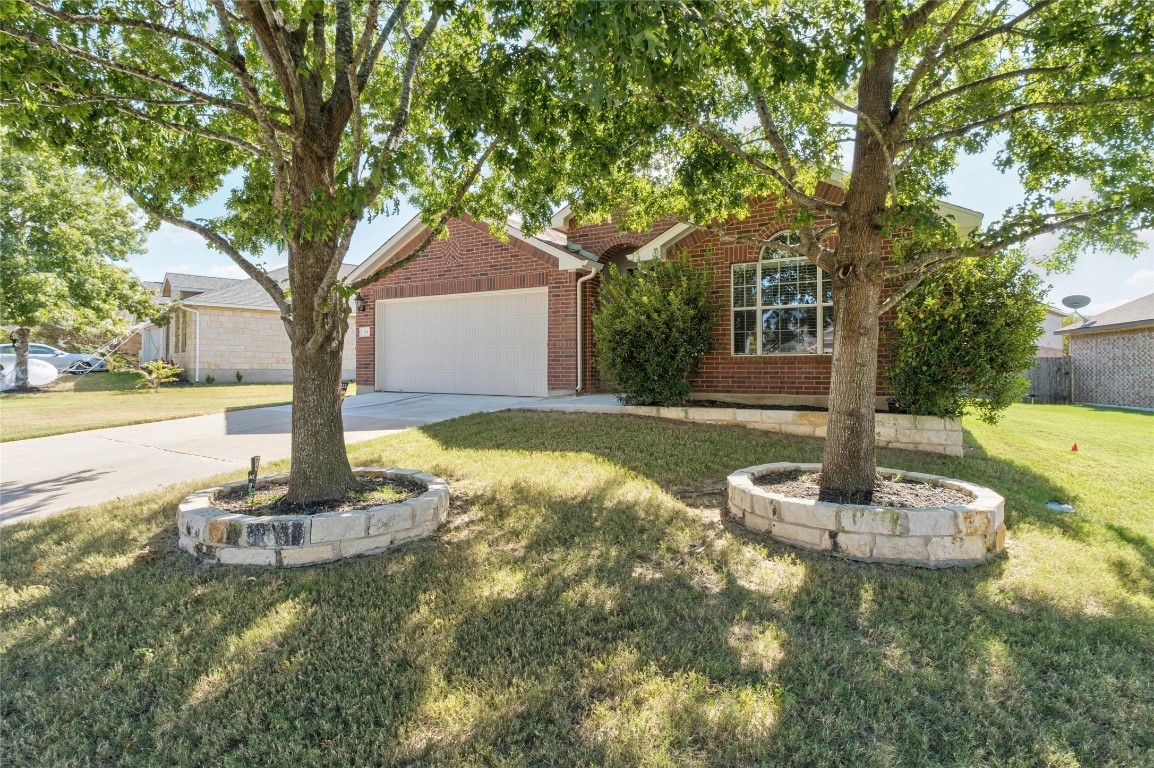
x: 217, y: 536
x: 930, y: 434
x: 936, y: 537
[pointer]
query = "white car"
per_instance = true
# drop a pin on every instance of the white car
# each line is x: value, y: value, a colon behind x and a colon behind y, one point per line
x: 65, y: 362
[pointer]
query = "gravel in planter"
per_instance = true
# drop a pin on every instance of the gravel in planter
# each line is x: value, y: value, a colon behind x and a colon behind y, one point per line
x: 370, y: 492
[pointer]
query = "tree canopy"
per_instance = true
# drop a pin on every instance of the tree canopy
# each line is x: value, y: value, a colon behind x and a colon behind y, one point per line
x: 65, y: 236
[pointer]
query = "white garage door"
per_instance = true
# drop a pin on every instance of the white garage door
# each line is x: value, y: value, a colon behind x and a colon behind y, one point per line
x: 475, y: 343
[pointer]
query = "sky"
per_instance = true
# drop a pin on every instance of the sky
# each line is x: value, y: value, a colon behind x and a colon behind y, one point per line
x: 1110, y: 280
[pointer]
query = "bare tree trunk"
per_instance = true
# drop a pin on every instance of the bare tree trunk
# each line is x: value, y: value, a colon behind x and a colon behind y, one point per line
x: 320, y: 464
x: 20, y: 347
x: 849, y: 460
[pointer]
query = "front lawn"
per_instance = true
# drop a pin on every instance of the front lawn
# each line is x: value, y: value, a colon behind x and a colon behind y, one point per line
x: 72, y: 403
x: 585, y: 604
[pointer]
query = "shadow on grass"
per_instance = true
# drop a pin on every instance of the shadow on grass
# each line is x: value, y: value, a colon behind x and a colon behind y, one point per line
x: 575, y: 613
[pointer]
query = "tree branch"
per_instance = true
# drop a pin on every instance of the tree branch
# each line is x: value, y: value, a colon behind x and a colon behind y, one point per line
x: 222, y: 244
x: 954, y: 133
x: 116, y: 66
x: 448, y: 215
x: 965, y: 87
x: 818, y: 254
x: 922, y: 68
x: 125, y: 21
x: 934, y: 259
x: 369, y: 61
x: 808, y: 202
x: 260, y: 113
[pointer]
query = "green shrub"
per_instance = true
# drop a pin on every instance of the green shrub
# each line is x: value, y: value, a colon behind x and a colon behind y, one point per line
x: 210, y: 379
x: 652, y: 327
x: 965, y: 335
x: 239, y: 377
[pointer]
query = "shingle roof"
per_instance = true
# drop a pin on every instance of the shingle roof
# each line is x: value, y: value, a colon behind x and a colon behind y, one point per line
x: 180, y: 281
x: 1130, y: 315
x: 249, y: 293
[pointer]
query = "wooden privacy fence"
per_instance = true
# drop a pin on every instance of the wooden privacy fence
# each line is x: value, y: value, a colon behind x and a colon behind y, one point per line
x: 1049, y: 380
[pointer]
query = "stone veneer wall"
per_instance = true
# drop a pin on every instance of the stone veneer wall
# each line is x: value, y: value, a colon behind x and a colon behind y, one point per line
x: 1114, y: 367
x: 217, y: 536
x: 929, y: 434
x: 251, y: 341
x: 935, y: 537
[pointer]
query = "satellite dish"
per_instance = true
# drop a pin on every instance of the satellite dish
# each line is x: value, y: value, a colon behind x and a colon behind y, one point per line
x: 1076, y: 302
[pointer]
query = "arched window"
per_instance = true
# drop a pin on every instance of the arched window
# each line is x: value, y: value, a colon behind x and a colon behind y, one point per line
x: 782, y: 304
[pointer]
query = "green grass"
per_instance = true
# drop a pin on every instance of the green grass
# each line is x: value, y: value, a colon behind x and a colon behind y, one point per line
x: 586, y: 604
x: 73, y: 404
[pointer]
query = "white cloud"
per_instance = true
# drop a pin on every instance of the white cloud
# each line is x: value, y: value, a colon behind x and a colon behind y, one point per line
x: 1143, y: 278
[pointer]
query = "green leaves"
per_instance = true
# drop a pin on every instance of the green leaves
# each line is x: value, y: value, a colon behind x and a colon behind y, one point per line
x: 63, y: 237
x: 652, y: 326
x: 965, y: 335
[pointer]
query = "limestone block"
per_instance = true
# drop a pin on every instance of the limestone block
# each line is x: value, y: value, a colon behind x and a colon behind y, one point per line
x: 334, y: 526
x: 930, y: 422
x: 996, y: 541
x: 757, y: 523
x: 226, y: 530
x: 671, y: 413
x: 309, y: 555
x: 956, y: 548
x: 854, y: 544
x: 812, y: 418
x: 892, y: 421
x: 971, y: 521
x: 892, y: 522
x: 913, y: 436
x: 709, y: 414
x: 246, y: 556
x: 811, y: 514
x: 763, y: 506
x: 998, y: 516
x: 389, y: 518
x: 641, y: 410
x: 801, y: 430
x: 776, y: 417
x: 744, y: 415
x: 194, y: 524
x: 366, y: 545
x: 932, y: 522
x: 908, y: 548
x: 275, y: 532
x: 425, y: 510
x: 414, y: 533
x: 810, y: 538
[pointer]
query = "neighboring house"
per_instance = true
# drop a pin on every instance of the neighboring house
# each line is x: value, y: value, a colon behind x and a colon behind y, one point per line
x: 1050, y: 343
x: 477, y: 315
x: 223, y: 326
x: 1113, y: 356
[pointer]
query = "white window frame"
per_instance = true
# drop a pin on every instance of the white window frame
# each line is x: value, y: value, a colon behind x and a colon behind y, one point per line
x: 758, y: 308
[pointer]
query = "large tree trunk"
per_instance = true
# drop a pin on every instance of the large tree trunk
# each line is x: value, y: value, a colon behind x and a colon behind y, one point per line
x: 849, y: 460
x: 320, y: 464
x: 20, y: 348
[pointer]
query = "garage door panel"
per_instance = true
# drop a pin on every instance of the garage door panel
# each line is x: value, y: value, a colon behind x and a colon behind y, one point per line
x: 480, y: 343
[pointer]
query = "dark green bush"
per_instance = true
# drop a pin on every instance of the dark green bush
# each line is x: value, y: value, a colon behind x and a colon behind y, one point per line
x: 965, y: 335
x: 652, y: 326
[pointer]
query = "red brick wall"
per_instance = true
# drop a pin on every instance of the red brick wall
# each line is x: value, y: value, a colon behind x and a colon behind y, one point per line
x: 723, y: 372
x: 472, y: 261
x: 599, y: 238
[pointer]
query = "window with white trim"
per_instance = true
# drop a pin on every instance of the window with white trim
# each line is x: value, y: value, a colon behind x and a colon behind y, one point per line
x: 782, y: 304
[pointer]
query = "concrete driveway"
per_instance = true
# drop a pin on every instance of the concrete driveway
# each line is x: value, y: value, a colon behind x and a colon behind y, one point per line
x: 45, y: 475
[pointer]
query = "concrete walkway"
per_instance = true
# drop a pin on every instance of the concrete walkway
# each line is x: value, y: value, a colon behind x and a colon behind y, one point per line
x: 45, y: 475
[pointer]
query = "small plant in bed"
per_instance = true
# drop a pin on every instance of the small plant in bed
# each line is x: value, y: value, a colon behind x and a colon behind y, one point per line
x: 892, y: 491
x: 269, y: 499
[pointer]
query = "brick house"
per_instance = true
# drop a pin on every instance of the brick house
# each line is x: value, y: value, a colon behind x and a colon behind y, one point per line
x: 221, y: 326
x: 477, y: 315
x: 1113, y: 356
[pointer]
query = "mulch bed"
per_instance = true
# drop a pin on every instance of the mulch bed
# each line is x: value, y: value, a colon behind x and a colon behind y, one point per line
x: 268, y: 499
x: 760, y: 407
x: 902, y: 494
